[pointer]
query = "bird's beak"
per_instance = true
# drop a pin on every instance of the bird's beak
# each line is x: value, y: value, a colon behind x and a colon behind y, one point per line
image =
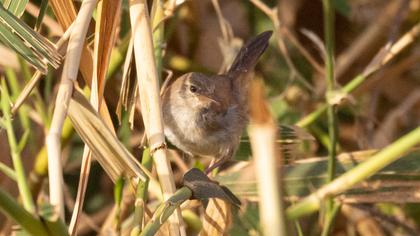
x: 207, y: 101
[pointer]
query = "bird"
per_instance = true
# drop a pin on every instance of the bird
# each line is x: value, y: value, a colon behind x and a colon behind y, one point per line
x: 205, y: 115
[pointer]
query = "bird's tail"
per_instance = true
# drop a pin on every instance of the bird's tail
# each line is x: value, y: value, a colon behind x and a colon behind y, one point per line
x: 249, y: 54
x: 244, y: 63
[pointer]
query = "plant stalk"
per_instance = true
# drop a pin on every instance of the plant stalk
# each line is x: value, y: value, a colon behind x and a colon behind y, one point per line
x: 361, y: 172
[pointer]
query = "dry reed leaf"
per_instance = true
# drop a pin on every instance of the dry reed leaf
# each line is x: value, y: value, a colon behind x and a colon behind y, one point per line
x: 365, y: 224
x: 68, y: 79
x: 52, y: 25
x: 108, y: 17
x: 111, y: 154
x: 105, y: 35
x: 128, y: 91
x: 65, y: 12
x: 217, y: 218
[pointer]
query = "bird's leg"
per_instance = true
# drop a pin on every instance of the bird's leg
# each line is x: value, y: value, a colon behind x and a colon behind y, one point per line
x: 218, y: 162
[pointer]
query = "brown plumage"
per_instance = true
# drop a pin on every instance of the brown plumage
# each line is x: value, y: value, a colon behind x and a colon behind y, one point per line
x: 205, y: 115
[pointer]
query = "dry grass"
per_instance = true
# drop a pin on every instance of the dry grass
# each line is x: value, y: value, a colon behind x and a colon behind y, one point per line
x: 94, y: 167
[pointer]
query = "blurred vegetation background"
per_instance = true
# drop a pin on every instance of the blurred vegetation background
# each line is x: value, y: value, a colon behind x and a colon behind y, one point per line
x: 199, y: 37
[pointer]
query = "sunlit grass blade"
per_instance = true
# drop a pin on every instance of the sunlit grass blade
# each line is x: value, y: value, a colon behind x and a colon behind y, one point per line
x: 16, y: 7
x: 41, y: 47
x: 42, y: 10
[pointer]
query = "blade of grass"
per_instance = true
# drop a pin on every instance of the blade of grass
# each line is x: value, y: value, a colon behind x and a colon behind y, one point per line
x: 165, y: 210
x: 118, y: 197
x: 39, y: 45
x: 110, y: 152
x: 27, y: 221
x: 361, y: 172
x: 52, y: 221
x: 16, y: 7
x: 42, y: 10
x: 9, y: 172
x: 141, y: 193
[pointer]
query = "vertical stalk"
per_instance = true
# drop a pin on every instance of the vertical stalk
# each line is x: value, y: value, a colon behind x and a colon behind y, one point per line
x: 329, y: 68
x: 69, y: 76
x: 21, y: 179
x: 268, y: 163
x: 331, y: 111
x: 148, y: 82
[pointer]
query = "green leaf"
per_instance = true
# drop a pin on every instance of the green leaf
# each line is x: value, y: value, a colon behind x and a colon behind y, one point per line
x: 13, y: 210
x: 12, y: 41
x: 51, y: 219
x: 118, y: 190
x: 23, y: 140
x: 29, y: 44
x: 16, y: 7
x: 42, y: 10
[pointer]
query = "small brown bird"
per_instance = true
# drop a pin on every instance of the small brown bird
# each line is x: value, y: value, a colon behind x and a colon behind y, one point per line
x: 205, y: 115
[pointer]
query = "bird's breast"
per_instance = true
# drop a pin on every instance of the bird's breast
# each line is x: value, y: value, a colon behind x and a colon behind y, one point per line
x: 203, y: 132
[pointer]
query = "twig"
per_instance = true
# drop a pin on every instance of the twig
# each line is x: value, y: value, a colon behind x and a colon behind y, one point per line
x: 272, y: 14
x: 367, y: 38
x: 223, y: 24
x: 382, y: 58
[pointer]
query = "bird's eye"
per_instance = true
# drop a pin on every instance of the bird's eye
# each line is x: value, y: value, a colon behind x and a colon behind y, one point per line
x: 193, y: 89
